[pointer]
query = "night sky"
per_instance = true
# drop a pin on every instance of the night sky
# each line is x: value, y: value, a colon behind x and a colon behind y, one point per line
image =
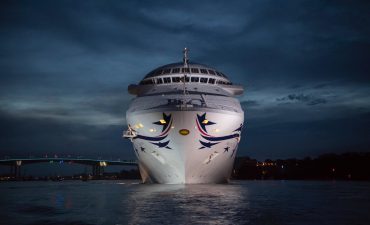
x: 65, y: 67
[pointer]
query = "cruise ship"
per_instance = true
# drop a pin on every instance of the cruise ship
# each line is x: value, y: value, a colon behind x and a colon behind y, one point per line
x: 185, y: 124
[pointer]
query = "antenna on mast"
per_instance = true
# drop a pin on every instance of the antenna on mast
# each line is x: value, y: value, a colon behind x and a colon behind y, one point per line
x: 186, y: 60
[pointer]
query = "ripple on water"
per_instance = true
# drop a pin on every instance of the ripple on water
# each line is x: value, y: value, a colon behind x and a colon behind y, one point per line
x: 39, y: 209
x: 62, y: 222
x: 244, y: 202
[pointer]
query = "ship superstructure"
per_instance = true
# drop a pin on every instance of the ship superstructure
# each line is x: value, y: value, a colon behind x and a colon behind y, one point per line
x: 185, y: 124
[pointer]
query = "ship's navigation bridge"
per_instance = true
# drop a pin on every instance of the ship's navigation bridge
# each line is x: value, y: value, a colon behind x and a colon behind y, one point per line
x: 192, y: 78
x: 196, y: 73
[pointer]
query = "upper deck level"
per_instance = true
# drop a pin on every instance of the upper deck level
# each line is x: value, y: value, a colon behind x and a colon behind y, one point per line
x: 186, y: 77
x: 195, y: 72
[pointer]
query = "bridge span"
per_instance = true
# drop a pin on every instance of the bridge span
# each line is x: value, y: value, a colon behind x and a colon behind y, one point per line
x: 97, y: 165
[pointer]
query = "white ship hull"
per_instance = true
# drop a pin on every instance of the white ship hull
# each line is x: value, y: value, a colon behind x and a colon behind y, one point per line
x: 185, y: 124
x: 205, y: 155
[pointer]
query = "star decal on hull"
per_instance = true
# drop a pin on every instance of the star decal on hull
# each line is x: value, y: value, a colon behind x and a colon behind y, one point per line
x: 226, y: 149
x: 207, y: 144
x: 162, y: 144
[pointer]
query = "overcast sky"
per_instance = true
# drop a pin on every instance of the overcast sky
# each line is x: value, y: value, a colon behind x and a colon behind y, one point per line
x: 65, y: 67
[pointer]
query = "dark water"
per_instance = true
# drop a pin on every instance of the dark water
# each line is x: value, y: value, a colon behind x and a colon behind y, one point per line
x: 127, y: 202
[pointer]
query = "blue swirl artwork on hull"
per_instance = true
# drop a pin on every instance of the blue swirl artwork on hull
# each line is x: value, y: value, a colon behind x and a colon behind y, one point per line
x: 202, y: 124
x: 166, y: 123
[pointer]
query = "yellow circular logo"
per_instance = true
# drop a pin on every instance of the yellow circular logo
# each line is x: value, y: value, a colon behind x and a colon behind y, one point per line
x: 184, y: 132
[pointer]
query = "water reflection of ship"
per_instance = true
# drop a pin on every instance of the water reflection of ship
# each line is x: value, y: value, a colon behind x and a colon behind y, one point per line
x: 194, y: 203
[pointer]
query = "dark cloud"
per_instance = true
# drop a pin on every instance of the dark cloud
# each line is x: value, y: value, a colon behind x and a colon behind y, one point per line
x: 321, y: 86
x: 29, y: 136
x: 307, y: 99
x: 249, y: 103
x: 65, y: 67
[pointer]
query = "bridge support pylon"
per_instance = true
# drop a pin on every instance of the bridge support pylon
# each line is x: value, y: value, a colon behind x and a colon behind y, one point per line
x: 97, y: 170
x: 15, y: 169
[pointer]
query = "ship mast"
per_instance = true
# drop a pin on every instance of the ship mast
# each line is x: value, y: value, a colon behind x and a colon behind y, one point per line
x: 186, y: 65
x: 185, y: 59
x: 186, y: 68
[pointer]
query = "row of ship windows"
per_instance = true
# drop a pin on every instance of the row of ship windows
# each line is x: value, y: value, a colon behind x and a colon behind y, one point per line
x: 185, y: 70
x: 167, y: 80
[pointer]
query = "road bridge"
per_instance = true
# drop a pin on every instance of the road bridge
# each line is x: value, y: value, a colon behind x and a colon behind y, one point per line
x: 97, y: 165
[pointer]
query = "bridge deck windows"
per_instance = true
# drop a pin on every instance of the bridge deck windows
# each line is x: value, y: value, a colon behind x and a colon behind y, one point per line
x: 159, y: 81
x: 203, y: 80
x: 176, y: 79
x: 185, y: 70
x: 195, y: 79
x: 167, y: 80
x: 194, y: 70
x: 204, y: 71
x: 166, y: 71
x: 176, y: 70
x: 211, y: 72
x: 211, y: 81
